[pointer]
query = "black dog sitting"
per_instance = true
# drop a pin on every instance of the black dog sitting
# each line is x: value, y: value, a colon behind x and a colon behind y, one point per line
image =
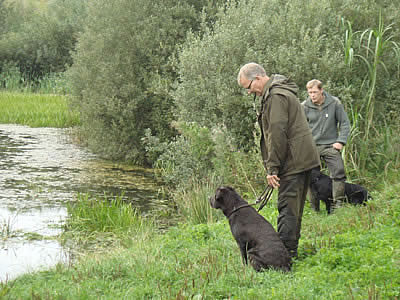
x: 321, y: 188
x: 257, y: 239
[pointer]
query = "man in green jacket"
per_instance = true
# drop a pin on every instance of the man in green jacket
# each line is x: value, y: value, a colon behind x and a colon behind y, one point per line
x: 287, y: 146
x: 330, y: 128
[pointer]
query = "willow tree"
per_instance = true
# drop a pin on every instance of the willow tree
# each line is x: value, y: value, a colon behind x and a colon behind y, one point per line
x: 122, y: 76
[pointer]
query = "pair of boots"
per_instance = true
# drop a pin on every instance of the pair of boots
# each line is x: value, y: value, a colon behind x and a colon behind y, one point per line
x: 338, y: 194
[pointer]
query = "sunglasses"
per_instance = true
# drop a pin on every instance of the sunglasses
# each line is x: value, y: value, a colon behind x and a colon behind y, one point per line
x: 249, y: 87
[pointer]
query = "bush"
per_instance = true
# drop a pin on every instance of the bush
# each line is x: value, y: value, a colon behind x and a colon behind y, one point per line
x: 189, y: 155
x: 121, y: 74
x: 38, y: 40
x: 197, y: 162
x: 199, y: 152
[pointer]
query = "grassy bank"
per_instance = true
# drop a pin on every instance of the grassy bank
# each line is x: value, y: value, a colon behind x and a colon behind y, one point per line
x: 36, y: 110
x: 353, y: 254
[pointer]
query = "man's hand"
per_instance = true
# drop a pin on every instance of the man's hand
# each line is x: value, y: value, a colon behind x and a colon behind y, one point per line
x: 273, y: 181
x: 337, y: 146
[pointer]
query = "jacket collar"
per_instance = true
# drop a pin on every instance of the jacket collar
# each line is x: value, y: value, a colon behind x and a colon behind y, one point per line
x: 328, y: 101
x: 267, y: 87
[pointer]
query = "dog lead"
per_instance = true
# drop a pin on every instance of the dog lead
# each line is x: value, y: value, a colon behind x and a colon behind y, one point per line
x: 264, y: 197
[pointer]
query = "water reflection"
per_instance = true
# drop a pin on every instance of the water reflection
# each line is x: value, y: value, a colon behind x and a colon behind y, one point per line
x: 41, y: 170
x: 22, y: 257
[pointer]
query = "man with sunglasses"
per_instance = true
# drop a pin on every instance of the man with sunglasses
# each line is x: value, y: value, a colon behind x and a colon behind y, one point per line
x: 287, y: 146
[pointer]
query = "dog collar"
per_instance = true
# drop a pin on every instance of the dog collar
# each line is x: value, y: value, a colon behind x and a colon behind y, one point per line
x: 237, y: 208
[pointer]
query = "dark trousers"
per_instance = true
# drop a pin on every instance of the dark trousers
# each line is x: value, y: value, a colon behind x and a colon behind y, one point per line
x: 291, y: 200
x: 333, y: 160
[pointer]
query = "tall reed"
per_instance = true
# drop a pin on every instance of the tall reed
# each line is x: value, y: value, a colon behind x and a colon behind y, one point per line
x: 396, y: 50
x: 193, y: 204
x: 350, y: 155
x: 348, y: 43
x: 375, y: 42
x: 373, y: 45
x: 12, y: 80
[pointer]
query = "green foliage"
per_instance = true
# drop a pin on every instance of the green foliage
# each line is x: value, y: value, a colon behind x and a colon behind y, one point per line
x: 199, y: 152
x: 208, y: 92
x: 3, y: 14
x: 193, y: 205
x: 38, y: 40
x: 37, y: 110
x: 381, y: 150
x: 198, y: 161
x: 102, y: 215
x: 11, y: 79
x: 121, y: 73
x: 374, y: 45
x: 189, y: 156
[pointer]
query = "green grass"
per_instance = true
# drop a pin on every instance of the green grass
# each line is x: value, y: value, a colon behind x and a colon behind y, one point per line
x: 107, y: 214
x: 108, y: 221
x: 36, y: 110
x: 353, y: 254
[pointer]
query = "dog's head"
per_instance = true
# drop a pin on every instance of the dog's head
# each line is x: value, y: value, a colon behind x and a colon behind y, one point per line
x: 225, y: 198
x: 315, y: 175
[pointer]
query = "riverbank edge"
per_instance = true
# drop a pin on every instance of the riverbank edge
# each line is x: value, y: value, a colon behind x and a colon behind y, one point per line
x: 351, y: 254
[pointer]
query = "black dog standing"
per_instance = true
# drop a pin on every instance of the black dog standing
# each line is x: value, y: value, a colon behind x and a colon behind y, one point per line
x: 321, y: 187
x: 257, y: 239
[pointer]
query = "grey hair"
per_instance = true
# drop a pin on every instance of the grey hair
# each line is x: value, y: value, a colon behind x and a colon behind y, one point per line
x: 250, y: 71
x: 314, y: 82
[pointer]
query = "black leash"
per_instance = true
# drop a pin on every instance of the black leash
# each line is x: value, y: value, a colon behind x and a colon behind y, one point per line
x: 264, y: 197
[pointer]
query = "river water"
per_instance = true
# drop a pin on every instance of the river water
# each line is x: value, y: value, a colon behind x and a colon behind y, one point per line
x: 41, y: 170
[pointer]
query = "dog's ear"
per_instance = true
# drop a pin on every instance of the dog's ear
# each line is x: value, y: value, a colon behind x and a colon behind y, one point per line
x: 220, y: 194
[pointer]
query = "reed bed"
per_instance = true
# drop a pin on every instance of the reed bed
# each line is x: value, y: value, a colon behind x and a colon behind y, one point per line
x: 37, y: 110
x: 103, y: 214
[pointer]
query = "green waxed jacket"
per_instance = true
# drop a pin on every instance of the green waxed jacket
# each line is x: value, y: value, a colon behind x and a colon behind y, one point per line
x: 287, y: 145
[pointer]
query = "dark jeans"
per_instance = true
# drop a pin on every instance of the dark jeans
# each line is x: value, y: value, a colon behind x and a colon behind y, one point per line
x: 291, y: 199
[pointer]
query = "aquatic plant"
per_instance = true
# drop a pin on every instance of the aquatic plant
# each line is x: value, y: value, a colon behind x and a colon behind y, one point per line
x: 6, y: 228
x: 108, y: 214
